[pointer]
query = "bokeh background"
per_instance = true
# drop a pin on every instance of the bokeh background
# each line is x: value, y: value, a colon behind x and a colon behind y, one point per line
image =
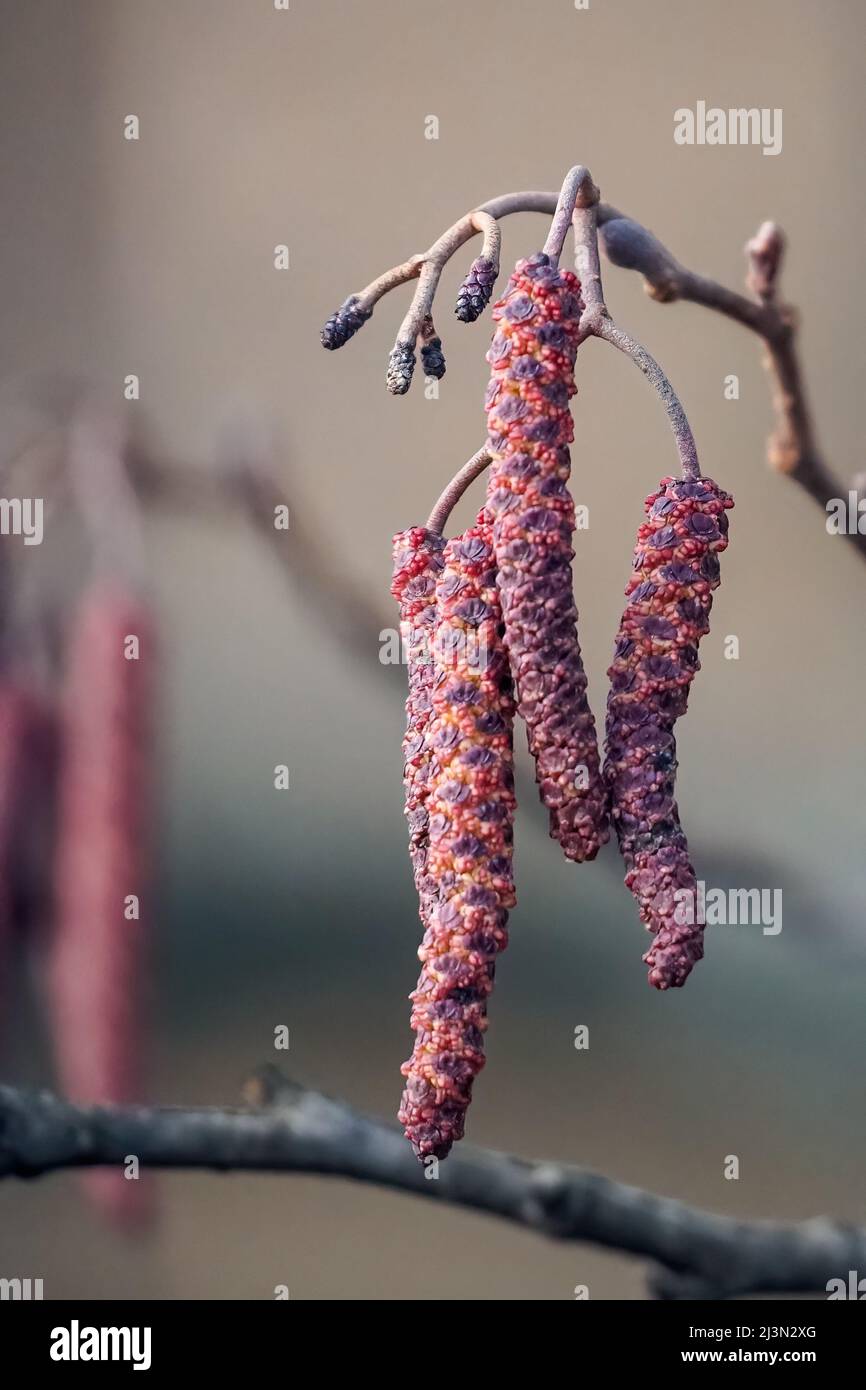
x: 155, y: 257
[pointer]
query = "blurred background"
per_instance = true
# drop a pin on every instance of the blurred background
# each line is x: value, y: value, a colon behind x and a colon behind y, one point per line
x: 156, y: 257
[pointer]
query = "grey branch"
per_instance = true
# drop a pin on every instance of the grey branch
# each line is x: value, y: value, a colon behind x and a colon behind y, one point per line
x: 283, y: 1127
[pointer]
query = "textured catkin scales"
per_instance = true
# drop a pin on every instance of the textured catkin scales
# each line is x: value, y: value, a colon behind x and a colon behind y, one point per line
x: 669, y: 597
x: 530, y: 428
x: 344, y: 323
x: 417, y: 564
x: 470, y: 799
x: 474, y: 294
x: 96, y: 960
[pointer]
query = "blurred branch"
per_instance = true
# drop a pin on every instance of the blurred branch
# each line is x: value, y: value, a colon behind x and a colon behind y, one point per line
x: 285, y: 1128
x: 253, y: 489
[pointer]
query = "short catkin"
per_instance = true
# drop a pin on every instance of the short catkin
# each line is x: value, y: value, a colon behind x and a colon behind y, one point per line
x: 417, y: 564
x: 97, y: 958
x: 344, y: 323
x: 475, y: 292
x: 532, y: 359
x: 669, y: 595
x: 470, y: 800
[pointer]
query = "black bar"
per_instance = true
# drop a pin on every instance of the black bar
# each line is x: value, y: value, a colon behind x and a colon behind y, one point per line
x: 236, y: 1338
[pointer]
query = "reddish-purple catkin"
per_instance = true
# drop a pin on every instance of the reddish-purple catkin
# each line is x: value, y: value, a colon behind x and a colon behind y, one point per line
x: 97, y: 956
x: 470, y: 799
x: 25, y: 729
x: 530, y: 428
x: 417, y: 564
x: 670, y: 594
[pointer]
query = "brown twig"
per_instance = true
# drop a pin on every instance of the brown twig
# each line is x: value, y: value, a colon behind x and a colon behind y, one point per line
x: 578, y: 192
x: 448, y: 500
x: 792, y: 448
x: 597, y: 322
x: 286, y: 1128
x: 685, y: 440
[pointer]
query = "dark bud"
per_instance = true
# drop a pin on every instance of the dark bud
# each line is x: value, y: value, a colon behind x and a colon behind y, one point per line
x: 344, y: 323
x: 433, y: 358
x: 401, y: 365
x: 474, y: 294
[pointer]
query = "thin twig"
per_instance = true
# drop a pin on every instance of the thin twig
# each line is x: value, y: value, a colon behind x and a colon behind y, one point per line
x: 578, y: 191
x: 471, y: 470
x: 596, y: 321
x: 287, y: 1128
x: 685, y: 440
x: 792, y: 448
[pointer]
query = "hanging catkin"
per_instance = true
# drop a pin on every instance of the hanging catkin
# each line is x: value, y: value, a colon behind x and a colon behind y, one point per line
x: 25, y: 732
x: 470, y: 800
x: 669, y: 597
x: 530, y: 428
x: 97, y: 956
x: 417, y: 564
x: 474, y: 294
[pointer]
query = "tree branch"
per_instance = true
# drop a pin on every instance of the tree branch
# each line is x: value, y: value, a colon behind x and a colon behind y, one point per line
x: 596, y: 321
x: 286, y: 1128
x: 792, y: 448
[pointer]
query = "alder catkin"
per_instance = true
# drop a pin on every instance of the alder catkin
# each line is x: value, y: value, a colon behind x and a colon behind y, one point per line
x: 417, y: 564
x: 97, y: 959
x: 670, y: 594
x: 475, y: 292
x: 530, y: 428
x: 25, y: 732
x: 433, y: 358
x: 344, y: 323
x: 470, y: 800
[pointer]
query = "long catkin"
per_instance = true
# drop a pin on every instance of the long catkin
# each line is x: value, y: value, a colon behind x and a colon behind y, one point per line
x: 670, y: 594
x: 97, y: 963
x: 532, y: 359
x: 25, y: 734
x: 470, y: 800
